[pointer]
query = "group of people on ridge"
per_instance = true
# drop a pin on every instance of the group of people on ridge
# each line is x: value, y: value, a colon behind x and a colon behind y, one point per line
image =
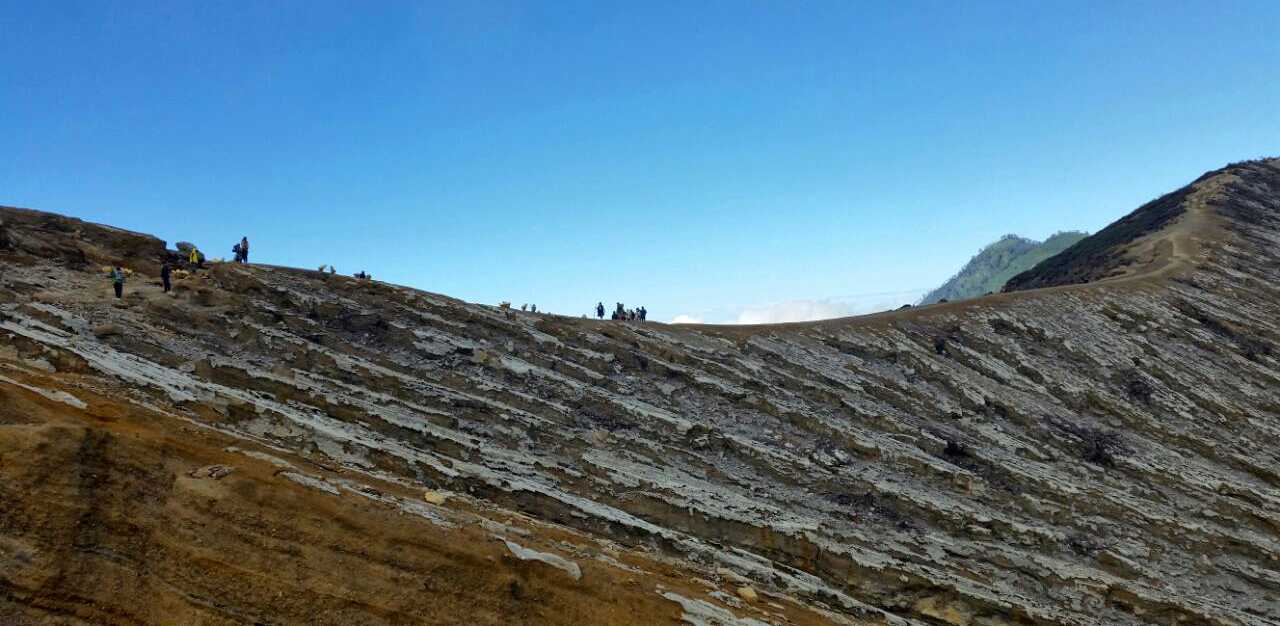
x: 194, y: 257
x: 621, y: 313
x: 241, y: 250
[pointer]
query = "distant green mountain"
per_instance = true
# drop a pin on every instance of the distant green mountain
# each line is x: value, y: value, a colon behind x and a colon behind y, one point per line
x: 995, y: 264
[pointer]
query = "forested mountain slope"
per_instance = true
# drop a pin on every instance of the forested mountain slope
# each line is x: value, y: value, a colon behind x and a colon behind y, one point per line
x: 994, y: 265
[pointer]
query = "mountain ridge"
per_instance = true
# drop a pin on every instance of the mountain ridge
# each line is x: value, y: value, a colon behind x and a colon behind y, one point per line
x: 1064, y: 454
x: 1110, y: 252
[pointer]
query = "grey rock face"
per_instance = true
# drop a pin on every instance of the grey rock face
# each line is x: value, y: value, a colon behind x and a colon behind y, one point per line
x: 1100, y: 453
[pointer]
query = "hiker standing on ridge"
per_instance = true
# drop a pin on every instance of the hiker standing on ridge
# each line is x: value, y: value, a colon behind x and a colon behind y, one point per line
x: 117, y: 281
x: 238, y: 252
x: 195, y: 258
x: 600, y: 310
x: 164, y: 275
x: 244, y: 249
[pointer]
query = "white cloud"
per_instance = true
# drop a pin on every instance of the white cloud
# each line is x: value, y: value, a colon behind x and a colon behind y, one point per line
x: 812, y: 310
x: 803, y: 309
x: 792, y: 311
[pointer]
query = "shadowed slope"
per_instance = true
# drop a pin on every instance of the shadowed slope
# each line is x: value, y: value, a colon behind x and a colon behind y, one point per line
x: 1114, y: 250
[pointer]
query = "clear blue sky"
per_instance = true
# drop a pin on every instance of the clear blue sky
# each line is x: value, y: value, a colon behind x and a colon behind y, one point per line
x: 697, y: 157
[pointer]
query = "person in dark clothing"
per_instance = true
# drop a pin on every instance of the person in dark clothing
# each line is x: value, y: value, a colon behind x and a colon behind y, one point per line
x: 244, y: 249
x: 164, y: 275
x: 117, y: 280
x: 239, y: 254
x: 600, y: 310
x: 643, y: 313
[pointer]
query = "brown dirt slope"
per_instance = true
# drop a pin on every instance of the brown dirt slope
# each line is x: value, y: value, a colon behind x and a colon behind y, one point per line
x: 115, y: 513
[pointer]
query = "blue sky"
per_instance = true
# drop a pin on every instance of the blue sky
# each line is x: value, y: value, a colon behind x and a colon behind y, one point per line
x: 720, y: 160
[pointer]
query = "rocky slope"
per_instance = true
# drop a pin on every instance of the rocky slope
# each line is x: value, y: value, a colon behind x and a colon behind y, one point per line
x: 995, y: 264
x: 270, y: 445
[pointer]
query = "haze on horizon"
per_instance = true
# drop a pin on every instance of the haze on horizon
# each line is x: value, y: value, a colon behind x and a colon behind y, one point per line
x: 717, y: 162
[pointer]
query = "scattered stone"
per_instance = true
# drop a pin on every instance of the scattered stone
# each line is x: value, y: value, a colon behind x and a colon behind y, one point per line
x: 214, y: 472
x: 732, y: 576
x: 729, y: 600
x: 942, y: 608
x: 106, y: 330
x: 307, y: 480
x: 703, y: 613
x: 556, y: 561
x: 1118, y: 565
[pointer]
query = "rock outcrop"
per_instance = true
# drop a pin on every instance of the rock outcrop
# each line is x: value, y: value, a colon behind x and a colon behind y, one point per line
x: 1100, y: 451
